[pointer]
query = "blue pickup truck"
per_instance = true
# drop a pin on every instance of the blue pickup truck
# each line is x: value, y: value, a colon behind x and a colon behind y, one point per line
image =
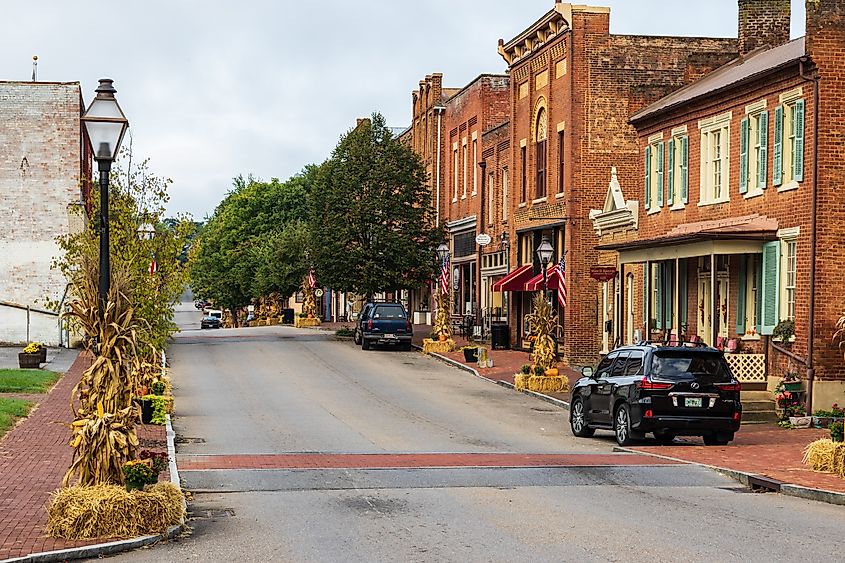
x: 383, y: 323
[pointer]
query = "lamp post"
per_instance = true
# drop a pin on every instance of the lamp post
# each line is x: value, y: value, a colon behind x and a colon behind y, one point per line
x: 443, y: 254
x: 544, y: 253
x: 105, y: 125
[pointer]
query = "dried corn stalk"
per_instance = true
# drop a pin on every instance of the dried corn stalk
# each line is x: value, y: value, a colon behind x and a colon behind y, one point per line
x: 309, y: 307
x: 442, y: 327
x: 542, y: 323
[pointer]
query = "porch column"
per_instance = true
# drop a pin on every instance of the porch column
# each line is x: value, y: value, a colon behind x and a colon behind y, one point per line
x: 620, y: 306
x: 676, y: 307
x: 714, y: 330
x: 647, y: 300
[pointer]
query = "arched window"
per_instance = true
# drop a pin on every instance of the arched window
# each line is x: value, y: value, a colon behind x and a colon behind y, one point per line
x: 541, y: 134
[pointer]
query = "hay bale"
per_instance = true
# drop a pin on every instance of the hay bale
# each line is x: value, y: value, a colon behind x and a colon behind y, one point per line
x: 826, y: 456
x: 520, y: 381
x: 431, y: 346
x: 110, y: 511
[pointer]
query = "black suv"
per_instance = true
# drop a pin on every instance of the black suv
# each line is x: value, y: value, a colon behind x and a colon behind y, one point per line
x: 671, y: 391
x: 383, y: 323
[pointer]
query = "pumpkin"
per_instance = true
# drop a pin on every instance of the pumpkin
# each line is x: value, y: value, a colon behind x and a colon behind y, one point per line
x: 552, y: 372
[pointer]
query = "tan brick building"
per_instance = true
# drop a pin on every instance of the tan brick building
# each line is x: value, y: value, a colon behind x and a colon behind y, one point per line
x: 573, y: 85
x: 42, y: 161
x: 740, y: 213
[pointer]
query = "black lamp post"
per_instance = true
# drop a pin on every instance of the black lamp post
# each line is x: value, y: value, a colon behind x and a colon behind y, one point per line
x: 105, y: 124
x: 544, y: 253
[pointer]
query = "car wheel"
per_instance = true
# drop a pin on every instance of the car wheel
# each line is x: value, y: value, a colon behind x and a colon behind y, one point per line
x: 405, y: 346
x: 622, y: 425
x: 356, y: 338
x: 364, y: 344
x: 718, y: 439
x: 664, y: 438
x: 578, y: 420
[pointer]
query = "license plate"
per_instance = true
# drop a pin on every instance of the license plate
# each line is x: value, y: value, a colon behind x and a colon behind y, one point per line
x: 692, y: 402
x: 393, y: 337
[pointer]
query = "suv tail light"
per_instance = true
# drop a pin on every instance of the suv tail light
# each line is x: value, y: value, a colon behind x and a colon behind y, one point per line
x: 646, y: 383
x: 729, y: 386
x: 370, y: 324
x: 408, y: 326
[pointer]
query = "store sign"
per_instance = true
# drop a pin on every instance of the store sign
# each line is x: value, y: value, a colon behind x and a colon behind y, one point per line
x: 483, y: 239
x: 318, y: 292
x: 603, y: 273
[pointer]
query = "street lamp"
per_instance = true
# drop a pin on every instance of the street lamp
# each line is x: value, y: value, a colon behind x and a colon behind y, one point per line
x: 544, y: 253
x: 146, y: 231
x: 442, y: 252
x: 105, y: 124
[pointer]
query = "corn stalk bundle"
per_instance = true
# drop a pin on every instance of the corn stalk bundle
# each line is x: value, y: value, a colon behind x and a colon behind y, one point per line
x: 442, y: 326
x: 840, y: 333
x: 542, y: 323
x: 104, y: 427
x: 309, y: 307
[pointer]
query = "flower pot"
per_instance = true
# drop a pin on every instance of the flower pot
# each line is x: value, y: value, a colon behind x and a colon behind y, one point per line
x: 796, y: 386
x: 800, y: 421
x: 822, y: 421
x: 43, y: 353
x: 471, y: 354
x: 29, y: 361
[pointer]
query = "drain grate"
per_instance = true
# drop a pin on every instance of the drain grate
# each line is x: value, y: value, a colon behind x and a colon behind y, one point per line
x: 763, y: 484
x: 210, y: 513
x: 188, y: 440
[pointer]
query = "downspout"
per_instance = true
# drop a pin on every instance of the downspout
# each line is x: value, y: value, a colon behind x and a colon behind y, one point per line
x: 811, y: 312
x: 439, y: 110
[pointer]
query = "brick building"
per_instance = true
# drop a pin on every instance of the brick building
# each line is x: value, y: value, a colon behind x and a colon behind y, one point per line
x: 740, y: 224
x: 573, y: 86
x: 42, y: 160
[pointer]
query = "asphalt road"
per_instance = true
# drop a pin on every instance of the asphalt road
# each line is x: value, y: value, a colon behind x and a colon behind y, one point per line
x: 288, y: 397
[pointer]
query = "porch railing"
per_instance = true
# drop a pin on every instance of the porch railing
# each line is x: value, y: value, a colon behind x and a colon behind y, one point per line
x: 748, y: 368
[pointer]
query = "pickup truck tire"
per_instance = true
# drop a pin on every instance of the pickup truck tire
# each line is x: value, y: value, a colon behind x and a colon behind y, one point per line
x: 364, y: 344
x: 406, y: 346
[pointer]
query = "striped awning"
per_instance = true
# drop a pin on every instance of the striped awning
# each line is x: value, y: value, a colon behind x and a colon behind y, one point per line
x: 536, y: 283
x: 514, y: 281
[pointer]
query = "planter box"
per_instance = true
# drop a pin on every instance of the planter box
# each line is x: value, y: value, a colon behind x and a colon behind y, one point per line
x: 800, y: 421
x: 43, y: 354
x: 29, y: 361
x: 471, y: 355
x: 792, y: 386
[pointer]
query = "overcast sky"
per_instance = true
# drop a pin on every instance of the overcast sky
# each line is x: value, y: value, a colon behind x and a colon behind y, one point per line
x: 217, y: 88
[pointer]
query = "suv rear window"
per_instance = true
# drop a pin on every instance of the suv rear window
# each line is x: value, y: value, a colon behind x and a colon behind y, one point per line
x: 685, y: 365
x: 389, y: 312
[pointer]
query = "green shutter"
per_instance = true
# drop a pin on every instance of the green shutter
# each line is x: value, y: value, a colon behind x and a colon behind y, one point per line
x: 671, y: 173
x: 740, y: 296
x: 658, y: 287
x: 648, y: 177
x: 682, y: 293
x: 777, y: 156
x: 743, y: 156
x: 763, y: 156
x: 798, y: 141
x: 685, y: 169
x: 771, y: 287
x: 660, y: 156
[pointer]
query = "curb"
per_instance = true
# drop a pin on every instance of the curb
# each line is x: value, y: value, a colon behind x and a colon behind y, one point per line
x: 749, y: 479
x: 557, y: 402
x: 114, y: 547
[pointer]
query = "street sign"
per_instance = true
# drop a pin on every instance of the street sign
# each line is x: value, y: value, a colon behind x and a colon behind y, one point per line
x: 603, y: 273
x: 318, y: 292
x: 483, y: 239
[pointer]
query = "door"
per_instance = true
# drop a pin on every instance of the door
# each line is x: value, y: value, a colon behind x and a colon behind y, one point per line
x: 604, y: 387
x: 606, y: 315
x: 723, y: 302
x: 629, y: 309
x: 705, y: 311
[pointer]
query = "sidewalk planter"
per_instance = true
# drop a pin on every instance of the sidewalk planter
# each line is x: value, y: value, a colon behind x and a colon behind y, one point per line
x: 471, y: 354
x: 541, y: 383
x: 305, y: 322
x: 438, y: 346
x: 29, y: 361
x: 800, y: 421
x: 43, y: 353
x: 792, y: 387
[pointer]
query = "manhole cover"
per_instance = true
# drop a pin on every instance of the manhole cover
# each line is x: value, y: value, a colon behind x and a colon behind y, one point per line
x: 188, y: 440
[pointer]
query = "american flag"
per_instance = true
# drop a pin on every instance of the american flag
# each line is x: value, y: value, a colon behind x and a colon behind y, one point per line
x: 153, y: 267
x: 312, y: 281
x: 560, y: 272
x: 444, y: 277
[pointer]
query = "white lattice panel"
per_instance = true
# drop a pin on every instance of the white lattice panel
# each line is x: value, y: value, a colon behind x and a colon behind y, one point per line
x: 748, y: 368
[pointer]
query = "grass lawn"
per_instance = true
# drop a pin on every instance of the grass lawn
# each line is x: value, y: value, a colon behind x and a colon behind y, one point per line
x: 10, y: 411
x: 27, y: 380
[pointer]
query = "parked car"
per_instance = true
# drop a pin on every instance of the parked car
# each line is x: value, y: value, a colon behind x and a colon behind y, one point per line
x: 669, y: 391
x: 201, y: 304
x: 210, y: 321
x: 383, y: 323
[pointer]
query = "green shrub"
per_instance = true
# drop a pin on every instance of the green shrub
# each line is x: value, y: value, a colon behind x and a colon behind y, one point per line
x: 526, y: 369
x: 837, y: 431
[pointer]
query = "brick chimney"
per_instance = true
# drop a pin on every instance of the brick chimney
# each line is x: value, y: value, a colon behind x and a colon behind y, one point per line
x: 763, y: 22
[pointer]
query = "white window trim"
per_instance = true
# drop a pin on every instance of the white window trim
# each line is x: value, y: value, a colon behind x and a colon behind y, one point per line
x: 474, y: 163
x: 464, y: 154
x: 455, y: 170
x: 753, y: 187
x: 791, y: 237
x: 678, y: 202
x: 543, y: 199
x: 789, y: 186
x: 505, y: 195
x: 655, y: 138
x: 707, y: 127
x: 791, y: 95
x: 679, y: 131
x: 523, y: 204
x: 559, y: 195
x: 756, y: 107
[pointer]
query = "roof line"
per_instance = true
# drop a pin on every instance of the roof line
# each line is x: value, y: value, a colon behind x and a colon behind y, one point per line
x: 474, y: 80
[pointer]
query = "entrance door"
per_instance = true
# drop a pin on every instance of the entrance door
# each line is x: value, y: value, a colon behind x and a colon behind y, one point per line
x: 605, y: 316
x: 629, y: 309
x: 705, y: 318
x: 723, y: 308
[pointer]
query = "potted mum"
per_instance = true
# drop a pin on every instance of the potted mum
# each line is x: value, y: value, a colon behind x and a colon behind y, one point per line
x: 30, y: 357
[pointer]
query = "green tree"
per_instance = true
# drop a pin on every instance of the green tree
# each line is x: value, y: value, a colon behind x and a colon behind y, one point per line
x: 371, y: 221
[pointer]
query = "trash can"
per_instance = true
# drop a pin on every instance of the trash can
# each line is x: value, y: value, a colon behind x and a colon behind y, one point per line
x: 287, y: 316
x: 499, y: 336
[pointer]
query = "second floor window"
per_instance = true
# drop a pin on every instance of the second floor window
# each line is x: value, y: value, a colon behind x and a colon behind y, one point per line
x: 505, y: 201
x: 523, y: 187
x: 788, y: 158
x: 542, y: 135
x: 753, y: 153
x: 654, y: 155
x: 677, y: 182
x: 715, y: 162
x: 560, y: 162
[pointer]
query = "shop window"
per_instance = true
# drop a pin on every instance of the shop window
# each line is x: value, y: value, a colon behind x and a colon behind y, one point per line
x: 464, y: 244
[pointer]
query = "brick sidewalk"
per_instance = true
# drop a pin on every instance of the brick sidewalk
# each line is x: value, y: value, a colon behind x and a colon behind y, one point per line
x: 33, y: 459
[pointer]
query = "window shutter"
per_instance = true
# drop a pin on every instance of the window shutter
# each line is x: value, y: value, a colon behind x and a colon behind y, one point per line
x: 740, y: 298
x: 763, y: 157
x: 682, y: 292
x: 658, y: 289
x: 743, y: 156
x: 648, y: 177
x: 671, y: 172
x: 777, y: 157
x: 798, y: 143
x: 770, y: 288
x: 685, y: 169
x: 660, y: 156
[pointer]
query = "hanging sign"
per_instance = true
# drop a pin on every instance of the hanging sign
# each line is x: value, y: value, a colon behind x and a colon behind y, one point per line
x: 318, y: 292
x: 483, y: 239
x: 603, y: 273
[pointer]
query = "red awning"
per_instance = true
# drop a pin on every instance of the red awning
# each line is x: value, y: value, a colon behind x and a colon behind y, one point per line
x: 514, y: 281
x: 536, y: 283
